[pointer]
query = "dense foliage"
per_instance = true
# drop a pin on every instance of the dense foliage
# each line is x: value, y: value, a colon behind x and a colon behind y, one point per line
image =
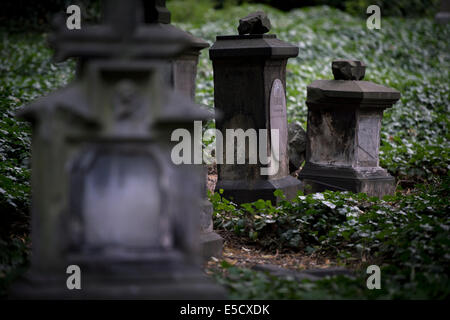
x: 411, y: 55
x: 408, y: 234
x: 358, y: 7
x: 37, y: 15
x: 26, y: 73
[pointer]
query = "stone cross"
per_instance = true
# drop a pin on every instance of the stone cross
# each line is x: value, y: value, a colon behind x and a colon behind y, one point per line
x: 106, y: 196
x: 343, y: 134
x: 249, y: 92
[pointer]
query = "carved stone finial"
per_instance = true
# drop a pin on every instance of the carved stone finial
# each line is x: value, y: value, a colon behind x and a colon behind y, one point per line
x: 255, y: 23
x: 348, y: 69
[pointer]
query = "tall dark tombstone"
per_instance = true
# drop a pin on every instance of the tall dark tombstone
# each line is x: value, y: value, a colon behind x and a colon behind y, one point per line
x: 182, y: 77
x: 343, y: 134
x: 249, y: 92
x: 106, y: 196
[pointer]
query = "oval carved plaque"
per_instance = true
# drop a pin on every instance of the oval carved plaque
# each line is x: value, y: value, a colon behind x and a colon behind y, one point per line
x: 278, y: 120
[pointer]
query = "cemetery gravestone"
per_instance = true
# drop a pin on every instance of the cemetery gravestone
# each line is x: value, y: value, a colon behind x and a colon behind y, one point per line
x: 343, y: 134
x: 249, y: 92
x: 182, y: 77
x: 105, y: 194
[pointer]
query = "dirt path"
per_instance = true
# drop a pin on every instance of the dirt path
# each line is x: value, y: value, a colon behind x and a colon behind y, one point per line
x: 237, y: 252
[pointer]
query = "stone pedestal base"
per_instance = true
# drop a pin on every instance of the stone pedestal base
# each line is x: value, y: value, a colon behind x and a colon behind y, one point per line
x: 211, y: 243
x: 168, y: 282
x: 372, y: 181
x: 244, y: 191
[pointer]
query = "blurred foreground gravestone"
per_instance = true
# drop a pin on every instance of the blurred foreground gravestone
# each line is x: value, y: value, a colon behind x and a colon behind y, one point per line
x: 343, y: 134
x: 182, y: 77
x: 249, y: 92
x: 106, y: 194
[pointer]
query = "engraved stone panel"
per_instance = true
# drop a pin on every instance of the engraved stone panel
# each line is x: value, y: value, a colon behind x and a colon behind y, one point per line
x: 368, y: 140
x: 184, y: 71
x: 119, y: 204
x: 331, y: 136
x: 278, y: 120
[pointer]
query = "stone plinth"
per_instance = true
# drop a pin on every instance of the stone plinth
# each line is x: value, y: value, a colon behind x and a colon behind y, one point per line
x: 249, y: 92
x: 343, y: 135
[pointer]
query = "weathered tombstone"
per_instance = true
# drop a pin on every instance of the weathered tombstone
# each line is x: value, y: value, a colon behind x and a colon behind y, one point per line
x: 343, y: 134
x: 106, y: 195
x: 249, y: 92
x: 182, y: 77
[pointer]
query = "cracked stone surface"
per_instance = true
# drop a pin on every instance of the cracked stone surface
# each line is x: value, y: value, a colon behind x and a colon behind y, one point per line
x: 348, y: 69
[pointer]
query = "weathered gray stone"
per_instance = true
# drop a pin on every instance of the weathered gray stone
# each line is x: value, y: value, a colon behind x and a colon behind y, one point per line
x: 211, y: 243
x: 249, y: 82
x: 297, y: 145
x: 106, y: 195
x: 348, y: 69
x: 255, y: 23
x: 343, y: 137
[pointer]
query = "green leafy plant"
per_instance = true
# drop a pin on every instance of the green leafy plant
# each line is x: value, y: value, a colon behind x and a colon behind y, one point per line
x: 407, y: 234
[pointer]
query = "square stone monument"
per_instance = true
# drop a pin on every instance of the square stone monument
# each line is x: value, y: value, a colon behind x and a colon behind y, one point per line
x: 343, y: 134
x: 106, y: 195
x: 249, y: 92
